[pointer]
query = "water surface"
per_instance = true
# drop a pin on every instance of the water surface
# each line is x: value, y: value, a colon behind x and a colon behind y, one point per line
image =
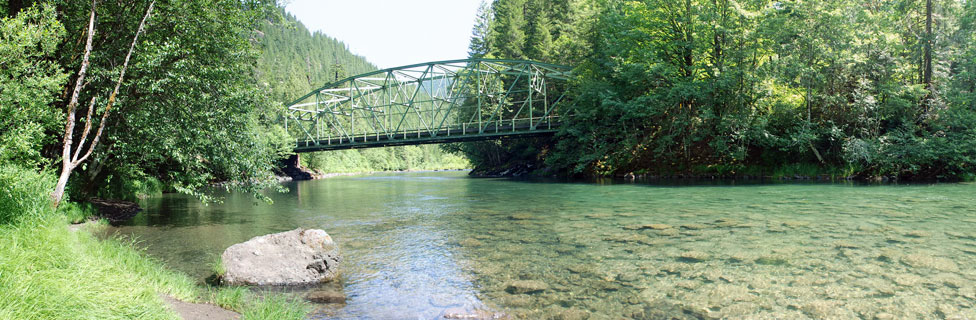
x: 426, y: 245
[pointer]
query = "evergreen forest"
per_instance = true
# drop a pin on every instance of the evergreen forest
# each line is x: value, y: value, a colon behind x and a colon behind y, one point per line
x: 841, y: 88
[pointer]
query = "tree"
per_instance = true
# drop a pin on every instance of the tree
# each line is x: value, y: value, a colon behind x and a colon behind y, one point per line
x: 538, y: 41
x: 30, y: 80
x: 481, y: 32
x: 72, y: 157
x: 508, y: 29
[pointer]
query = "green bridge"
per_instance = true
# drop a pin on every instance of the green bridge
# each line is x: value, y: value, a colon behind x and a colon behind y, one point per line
x: 435, y: 102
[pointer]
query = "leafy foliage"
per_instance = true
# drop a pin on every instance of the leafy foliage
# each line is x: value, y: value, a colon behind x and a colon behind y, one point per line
x: 685, y: 86
x: 30, y: 80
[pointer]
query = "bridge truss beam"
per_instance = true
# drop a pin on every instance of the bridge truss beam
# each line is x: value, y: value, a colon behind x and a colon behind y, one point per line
x: 436, y: 102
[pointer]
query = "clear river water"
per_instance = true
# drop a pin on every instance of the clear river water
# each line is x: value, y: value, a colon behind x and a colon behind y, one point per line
x: 440, y: 244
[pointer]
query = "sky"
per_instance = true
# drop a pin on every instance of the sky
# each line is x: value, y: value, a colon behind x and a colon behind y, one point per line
x: 391, y: 33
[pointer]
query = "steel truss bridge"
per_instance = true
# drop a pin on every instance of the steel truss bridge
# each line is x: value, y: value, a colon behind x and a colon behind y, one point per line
x: 435, y: 102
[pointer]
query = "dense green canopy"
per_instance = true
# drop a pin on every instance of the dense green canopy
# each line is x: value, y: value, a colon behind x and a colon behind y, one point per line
x: 202, y: 100
x: 751, y: 86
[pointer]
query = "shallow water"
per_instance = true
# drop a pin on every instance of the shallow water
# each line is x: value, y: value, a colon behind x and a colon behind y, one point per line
x: 426, y: 245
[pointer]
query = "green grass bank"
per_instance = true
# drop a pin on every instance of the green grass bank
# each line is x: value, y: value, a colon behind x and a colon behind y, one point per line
x: 48, y: 271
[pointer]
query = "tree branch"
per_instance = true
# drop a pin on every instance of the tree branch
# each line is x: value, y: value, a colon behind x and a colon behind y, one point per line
x: 111, y: 98
x: 69, y: 126
x: 84, y: 136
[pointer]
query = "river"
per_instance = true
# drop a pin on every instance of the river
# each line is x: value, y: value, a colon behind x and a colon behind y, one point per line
x: 422, y: 245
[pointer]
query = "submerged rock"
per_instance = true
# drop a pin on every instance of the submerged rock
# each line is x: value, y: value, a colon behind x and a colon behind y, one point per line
x: 573, y: 314
x: 300, y: 256
x: 668, y: 232
x: 657, y: 226
x: 918, y: 234
x: 693, y: 226
x: 920, y: 260
x: 960, y: 235
x: 470, y: 242
x: 460, y: 313
x: 526, y: 286
x: 693, y: 256
x: 326, y: 297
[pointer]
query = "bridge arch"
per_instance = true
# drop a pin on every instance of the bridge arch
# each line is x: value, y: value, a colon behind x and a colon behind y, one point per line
x: 433, y: 102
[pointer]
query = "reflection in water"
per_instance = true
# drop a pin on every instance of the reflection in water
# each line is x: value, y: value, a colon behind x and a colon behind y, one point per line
x: 418, y: 244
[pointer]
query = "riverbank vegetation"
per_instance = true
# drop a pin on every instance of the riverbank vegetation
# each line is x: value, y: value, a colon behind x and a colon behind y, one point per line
x: 881, y: 88
x: 49, y: 271
x: 190, y: 111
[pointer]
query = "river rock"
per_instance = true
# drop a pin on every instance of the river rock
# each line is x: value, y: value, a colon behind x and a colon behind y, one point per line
x: 693, y: 256
x: 921, y: 260
x: 326, y: 297
x: 470, y: 242
x: 693, y: 226
x: 461, y: 313
x: 300, y: 256
x: 656, y: 226
x: 526, y: 286
x: 573, y: 314
x: 918, y: 234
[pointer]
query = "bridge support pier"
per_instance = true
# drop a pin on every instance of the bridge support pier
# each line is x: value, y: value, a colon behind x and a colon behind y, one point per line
x: 292, y: 168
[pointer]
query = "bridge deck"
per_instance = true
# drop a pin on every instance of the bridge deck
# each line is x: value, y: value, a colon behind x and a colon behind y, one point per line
x: 447, y: 135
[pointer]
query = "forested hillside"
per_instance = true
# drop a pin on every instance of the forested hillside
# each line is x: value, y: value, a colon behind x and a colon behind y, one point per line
x: 757, y: 87
x: 295, y: 61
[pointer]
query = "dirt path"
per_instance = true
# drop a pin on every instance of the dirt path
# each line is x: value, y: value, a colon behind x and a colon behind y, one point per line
x: 200, y: 311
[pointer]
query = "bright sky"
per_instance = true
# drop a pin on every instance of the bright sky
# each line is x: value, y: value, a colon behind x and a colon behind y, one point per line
x: 391, y: 33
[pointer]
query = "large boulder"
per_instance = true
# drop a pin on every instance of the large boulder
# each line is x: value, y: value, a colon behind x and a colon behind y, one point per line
x: 300, y: 256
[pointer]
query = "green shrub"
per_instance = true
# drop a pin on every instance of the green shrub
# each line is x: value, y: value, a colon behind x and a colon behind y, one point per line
x: 24, y: 194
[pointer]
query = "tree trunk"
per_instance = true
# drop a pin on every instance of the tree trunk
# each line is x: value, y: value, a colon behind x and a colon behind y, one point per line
x: 72, y: 157
x: 14, y: 7
x: 927, y: 59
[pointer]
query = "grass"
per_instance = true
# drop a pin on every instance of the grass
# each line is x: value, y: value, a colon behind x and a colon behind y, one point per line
x: 217, y: 266
x: 50, y: 272
x: 276, y: 307
x: 251, y: 306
